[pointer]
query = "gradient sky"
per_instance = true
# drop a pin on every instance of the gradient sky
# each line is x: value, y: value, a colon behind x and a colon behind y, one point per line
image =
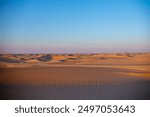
x: 81, y: 26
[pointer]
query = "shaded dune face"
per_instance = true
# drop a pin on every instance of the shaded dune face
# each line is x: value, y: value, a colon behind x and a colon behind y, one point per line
x: 24, y: 58
x: 10, y: 59
x: 45, y: 58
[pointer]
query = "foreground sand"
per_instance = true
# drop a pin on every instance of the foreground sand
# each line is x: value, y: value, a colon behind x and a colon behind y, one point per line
x: 75, y: 76
x: 67, y: 75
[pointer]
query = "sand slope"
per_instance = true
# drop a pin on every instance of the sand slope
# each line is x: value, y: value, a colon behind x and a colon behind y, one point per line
x: 75, y: 76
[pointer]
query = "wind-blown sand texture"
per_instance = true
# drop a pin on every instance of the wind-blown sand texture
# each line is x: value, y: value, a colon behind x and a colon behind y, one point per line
x: 75, y: 76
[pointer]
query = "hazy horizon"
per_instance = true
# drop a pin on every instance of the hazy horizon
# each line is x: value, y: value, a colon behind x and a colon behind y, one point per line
x: 74, y: 26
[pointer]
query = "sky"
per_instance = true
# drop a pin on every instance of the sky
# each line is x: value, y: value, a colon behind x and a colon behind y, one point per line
x: 74, y: 26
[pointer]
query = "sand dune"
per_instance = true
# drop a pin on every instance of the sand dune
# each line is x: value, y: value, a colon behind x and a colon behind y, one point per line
x: 58, y: 75
x: 139, y: 62
x: 91, y: 59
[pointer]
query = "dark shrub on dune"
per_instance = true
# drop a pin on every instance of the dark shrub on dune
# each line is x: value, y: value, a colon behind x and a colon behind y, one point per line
x: 45, y: 57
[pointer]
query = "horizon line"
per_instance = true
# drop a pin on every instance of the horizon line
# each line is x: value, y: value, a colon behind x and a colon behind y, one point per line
x: 77, y: 53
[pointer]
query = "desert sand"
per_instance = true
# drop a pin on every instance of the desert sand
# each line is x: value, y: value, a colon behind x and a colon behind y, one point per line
x: 125, y: 73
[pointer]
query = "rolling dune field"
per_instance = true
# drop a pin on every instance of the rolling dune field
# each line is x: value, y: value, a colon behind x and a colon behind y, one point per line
x: 75, y: 76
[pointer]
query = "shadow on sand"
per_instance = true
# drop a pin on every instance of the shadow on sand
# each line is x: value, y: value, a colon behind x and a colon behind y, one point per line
x: 139, y: 90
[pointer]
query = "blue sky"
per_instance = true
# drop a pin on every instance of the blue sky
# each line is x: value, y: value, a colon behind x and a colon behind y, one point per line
x: 81, y: 26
